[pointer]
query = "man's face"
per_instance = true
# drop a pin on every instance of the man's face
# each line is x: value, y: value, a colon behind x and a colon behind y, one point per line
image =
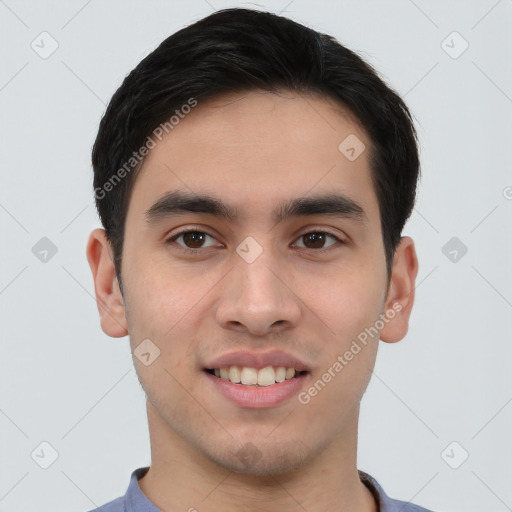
x: 255, y: 290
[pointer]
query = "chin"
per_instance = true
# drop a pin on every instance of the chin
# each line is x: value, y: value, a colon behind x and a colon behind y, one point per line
x: 264, y: 458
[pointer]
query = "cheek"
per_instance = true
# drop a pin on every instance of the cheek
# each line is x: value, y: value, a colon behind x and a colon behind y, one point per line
x: 345, y: 303
x: 160, y: 308
x: 168, y: 305
x: 335, y: 393
x: 159, y: 295
x: 349, y: 349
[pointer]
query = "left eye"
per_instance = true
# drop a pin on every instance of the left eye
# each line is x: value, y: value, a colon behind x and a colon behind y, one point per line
x: 317, y: 239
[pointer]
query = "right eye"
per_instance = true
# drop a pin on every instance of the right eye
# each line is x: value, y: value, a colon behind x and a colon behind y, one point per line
x: 191, y: 240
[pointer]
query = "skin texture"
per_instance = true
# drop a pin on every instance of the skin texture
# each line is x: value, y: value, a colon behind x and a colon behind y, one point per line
x: 254, y: 151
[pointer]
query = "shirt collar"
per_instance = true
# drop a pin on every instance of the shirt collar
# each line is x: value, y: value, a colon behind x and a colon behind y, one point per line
x: 384, y: 502
x: 137, y: 501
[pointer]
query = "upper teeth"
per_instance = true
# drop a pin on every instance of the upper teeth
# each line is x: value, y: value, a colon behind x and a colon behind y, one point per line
x: 252, y: 376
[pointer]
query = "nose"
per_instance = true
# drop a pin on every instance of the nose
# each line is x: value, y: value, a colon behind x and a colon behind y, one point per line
x: 258, y: 298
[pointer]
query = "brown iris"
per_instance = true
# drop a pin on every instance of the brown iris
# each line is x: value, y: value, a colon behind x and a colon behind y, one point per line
x: 317, y: 240
x: 194, y: 239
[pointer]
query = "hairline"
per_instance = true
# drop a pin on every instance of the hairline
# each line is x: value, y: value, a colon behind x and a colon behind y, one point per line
x: 336, y: 104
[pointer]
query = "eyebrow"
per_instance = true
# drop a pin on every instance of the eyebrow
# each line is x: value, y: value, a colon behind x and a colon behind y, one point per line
x: 179, y: 202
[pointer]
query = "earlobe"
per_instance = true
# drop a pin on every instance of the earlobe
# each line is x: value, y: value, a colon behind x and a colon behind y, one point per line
x: 400, y: 297
x: 109, y: 299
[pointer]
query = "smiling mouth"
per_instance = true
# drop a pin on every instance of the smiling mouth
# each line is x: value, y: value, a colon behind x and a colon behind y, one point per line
x: 255, y: 377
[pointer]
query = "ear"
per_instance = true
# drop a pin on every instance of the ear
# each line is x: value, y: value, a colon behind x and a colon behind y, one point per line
x: 400, y: 297
x: 108, y: 294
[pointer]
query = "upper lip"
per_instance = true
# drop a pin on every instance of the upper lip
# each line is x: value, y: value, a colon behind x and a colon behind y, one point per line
x: 257, y: 360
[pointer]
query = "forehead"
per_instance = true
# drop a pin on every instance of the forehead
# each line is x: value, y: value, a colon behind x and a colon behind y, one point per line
x: 255, y: 148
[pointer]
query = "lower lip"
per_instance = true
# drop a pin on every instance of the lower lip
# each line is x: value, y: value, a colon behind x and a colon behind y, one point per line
x: 258, y: 397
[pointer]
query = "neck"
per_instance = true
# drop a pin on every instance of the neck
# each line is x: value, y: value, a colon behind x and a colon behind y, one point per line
x: 181, y: 478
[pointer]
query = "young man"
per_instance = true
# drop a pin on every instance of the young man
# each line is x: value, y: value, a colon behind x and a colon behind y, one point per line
x: 253, y: 178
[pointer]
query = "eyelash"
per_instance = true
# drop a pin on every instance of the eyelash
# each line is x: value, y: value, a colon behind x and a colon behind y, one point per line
x: 196, y: 251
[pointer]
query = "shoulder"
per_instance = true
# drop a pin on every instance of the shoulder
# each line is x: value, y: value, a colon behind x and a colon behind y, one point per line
x: 404, y: 506
x: 387, y: 504
x: 134, y: 499
x: 116, y: 505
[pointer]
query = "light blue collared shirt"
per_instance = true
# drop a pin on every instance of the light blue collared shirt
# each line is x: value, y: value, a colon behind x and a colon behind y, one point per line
x: 136, y: 501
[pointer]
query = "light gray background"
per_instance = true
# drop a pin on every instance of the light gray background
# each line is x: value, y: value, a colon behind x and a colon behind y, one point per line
x: 64, y: 382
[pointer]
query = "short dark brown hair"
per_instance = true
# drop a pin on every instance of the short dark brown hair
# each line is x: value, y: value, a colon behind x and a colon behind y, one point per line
x: 241, y: 50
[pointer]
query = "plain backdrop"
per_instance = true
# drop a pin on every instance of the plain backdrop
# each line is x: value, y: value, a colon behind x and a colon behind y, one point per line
x: 437, y: 416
